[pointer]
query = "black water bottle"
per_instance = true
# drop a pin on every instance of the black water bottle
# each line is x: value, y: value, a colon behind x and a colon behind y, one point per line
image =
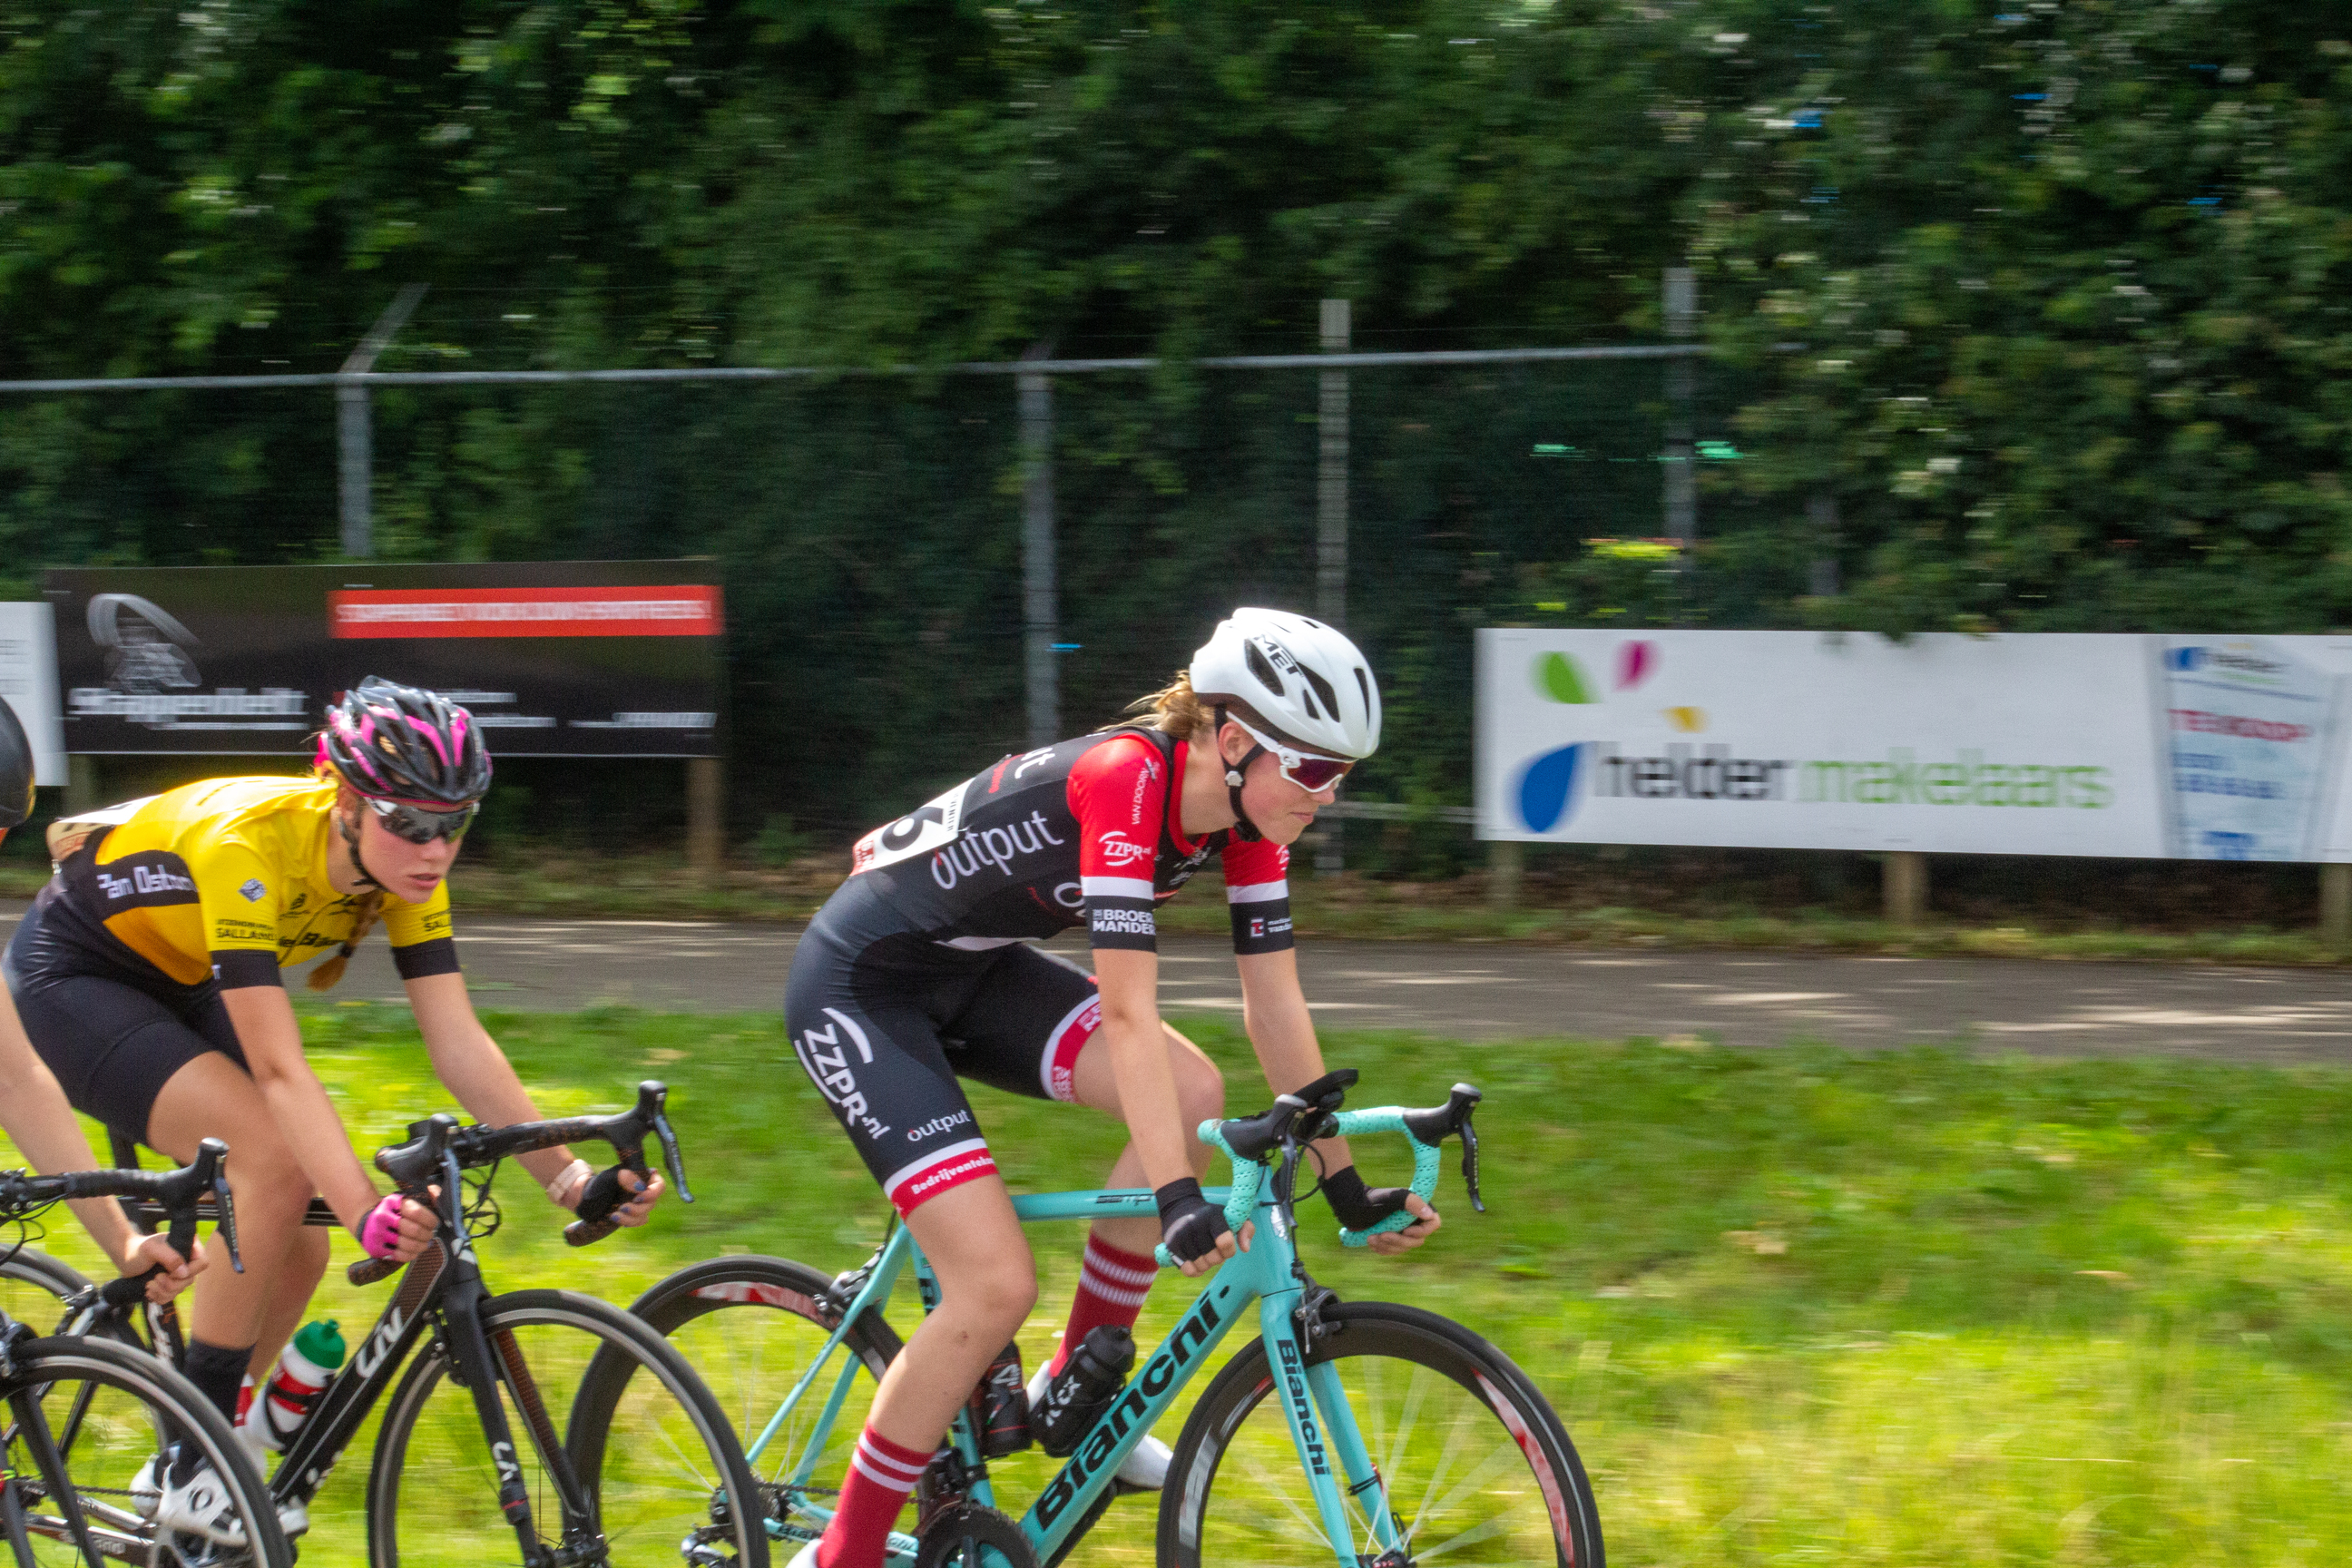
x: 1000, y: 1406
x: 1088, y: 1384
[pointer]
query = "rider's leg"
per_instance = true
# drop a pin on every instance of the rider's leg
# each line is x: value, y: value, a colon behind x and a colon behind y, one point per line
x: 1119, y: 1268
x: 213, y: 1097
x: 301, y: 1267
x: 988, y: 1283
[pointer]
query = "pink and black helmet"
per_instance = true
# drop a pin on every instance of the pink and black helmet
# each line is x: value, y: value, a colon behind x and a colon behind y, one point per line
x: 404, y: 743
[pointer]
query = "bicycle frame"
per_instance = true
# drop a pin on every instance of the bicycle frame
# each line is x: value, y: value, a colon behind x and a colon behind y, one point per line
x: 444, y: 1285
x: 1314, y: 1403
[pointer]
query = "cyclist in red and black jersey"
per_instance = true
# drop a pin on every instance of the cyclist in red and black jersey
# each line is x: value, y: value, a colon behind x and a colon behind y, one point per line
x: 918, y: 970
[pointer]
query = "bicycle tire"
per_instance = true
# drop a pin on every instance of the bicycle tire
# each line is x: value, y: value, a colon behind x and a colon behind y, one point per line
x: 34, y: 1287
x: 1236, y: 1492
x: 774, y: 1323
x: 30, y: 1280
x: 101, y: 1444
x: 679, y: 1473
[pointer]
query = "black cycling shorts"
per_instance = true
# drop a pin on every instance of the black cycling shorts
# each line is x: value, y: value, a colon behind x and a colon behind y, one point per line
x: 112, y: 1039
x: 885, y: 1020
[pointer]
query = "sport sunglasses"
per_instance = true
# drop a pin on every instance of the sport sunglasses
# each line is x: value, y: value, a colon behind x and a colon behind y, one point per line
x: 1308, y: 771
x: 419, y: 826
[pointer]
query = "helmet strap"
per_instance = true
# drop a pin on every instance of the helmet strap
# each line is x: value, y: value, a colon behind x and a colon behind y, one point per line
x: 351, y: 831
x: 1243, y: 828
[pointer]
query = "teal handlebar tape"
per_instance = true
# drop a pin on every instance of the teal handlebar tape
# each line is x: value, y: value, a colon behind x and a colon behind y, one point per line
x: 1390, y: 1119
x: 1248, y: 1177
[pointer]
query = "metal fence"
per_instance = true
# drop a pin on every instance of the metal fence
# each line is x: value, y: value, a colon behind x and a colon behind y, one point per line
x: 1058, y: 450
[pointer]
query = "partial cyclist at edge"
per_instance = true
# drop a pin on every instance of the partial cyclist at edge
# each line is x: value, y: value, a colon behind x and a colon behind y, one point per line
x: 918, y: 970
x: 33, y: 1109
x: 147, y: 976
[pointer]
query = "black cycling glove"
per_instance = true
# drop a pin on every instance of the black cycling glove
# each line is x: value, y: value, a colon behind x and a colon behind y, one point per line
x: 604, y: 1194
x: 1189, y: 1223
x: 1361, y: 1208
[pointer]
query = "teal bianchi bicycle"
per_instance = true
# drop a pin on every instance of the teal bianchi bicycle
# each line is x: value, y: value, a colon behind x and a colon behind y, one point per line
x: 1360, y: 1433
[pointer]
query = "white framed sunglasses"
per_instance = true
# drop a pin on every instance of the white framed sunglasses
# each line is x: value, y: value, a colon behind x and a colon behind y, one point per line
x: 1309, y: 772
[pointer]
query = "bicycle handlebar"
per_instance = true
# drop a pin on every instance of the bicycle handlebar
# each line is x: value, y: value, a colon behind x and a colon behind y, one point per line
x: 177, y: 1193
x: 1313, y: 1113
x: 437, y: 1143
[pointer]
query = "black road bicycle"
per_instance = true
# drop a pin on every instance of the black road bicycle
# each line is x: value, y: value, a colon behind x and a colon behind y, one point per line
x: 484, y: 1434
x: 87, y: 1425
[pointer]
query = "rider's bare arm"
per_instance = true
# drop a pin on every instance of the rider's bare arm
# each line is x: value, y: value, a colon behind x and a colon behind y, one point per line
x: 1130, y: 978
x: 470, y: 1062
x: 272, y: 1042
x: 1282, y: 1032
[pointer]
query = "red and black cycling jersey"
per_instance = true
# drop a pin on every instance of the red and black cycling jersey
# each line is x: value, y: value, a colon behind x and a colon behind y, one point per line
x: 1086, y: 832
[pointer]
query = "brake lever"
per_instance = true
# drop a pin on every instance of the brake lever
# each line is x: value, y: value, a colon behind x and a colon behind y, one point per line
x: 1470, y: 1163
x: 226, y: 1225
x: 671, y: 1157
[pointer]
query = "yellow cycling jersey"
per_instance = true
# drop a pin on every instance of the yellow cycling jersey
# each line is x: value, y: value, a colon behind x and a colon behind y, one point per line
x: 227, y: 879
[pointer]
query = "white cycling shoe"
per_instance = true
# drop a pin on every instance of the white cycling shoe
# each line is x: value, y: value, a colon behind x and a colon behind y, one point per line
x: 201, y: 1505
x: 1145, y: 1470
x: 147, y: 1495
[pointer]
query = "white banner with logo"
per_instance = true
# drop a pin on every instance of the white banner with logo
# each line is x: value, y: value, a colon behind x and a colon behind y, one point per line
x: 2201, y: 747
x: 29, y: 683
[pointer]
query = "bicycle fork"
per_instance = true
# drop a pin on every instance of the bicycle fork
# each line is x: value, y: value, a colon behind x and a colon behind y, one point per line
x: 1323, y: 1427
x: 487, y: 1365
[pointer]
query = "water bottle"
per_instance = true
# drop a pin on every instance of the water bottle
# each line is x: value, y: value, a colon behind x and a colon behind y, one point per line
x: 1089, y: 1380
x: 304, y: 1368
x: 1000, y: 1406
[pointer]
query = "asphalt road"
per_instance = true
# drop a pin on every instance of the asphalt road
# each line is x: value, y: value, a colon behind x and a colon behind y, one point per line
x: 1482, y: 992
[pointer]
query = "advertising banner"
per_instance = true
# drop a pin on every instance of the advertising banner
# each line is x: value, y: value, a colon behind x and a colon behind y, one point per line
x: 570, y: 659
x: 28, y: 684
x: 2201, y: 747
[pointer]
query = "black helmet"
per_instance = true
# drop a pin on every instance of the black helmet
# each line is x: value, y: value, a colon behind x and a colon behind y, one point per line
x: 15, y: 770
x: 400, y: 742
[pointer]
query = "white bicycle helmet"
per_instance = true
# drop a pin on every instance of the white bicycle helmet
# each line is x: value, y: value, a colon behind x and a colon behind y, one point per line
x: 1300, y: 678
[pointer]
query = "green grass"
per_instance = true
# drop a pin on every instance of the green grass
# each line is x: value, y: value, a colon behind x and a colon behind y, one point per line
x: 1795, y: 1306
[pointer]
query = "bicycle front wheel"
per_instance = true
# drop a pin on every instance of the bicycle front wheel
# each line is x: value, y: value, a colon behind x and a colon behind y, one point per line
x: 84, y: 1425
x: 663, y: 1482
x: 1474, y: 1465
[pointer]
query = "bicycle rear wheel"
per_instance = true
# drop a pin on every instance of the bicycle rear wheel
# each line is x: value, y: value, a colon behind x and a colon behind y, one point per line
x: 662, y: 1482
x: 1476, y: 1467
x: 752, y: 1327
x: 80, y: 1421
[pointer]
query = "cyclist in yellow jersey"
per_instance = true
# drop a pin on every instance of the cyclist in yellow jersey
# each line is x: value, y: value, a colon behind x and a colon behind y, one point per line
x: 147, y: 976
x: 32, y: 1109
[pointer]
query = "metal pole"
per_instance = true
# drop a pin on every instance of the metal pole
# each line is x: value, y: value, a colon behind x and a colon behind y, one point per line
x: 354, y: 440
x: 1682, y: 475
x: 1331, y: 475
x: 1040, y: 605
x: 1331, y: 526
x: 355, y: 462
x: 1821, y: 513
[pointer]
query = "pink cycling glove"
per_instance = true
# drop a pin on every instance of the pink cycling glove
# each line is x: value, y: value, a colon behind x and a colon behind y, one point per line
x: 380, y: 1231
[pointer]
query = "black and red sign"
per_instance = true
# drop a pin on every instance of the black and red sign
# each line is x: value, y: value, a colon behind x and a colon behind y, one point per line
x: 565, y: 658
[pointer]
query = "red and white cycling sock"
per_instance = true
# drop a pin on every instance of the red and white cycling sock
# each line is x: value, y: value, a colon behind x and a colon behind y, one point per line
x: 881, y: 1474
x: 1112, y: 1286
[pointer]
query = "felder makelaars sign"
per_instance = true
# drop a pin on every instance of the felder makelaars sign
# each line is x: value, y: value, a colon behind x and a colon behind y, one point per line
x: 568, y: 658
x: 2184, y: 747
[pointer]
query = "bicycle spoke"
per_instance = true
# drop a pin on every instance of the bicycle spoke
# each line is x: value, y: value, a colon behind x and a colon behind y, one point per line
x: 1496, y: 1479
